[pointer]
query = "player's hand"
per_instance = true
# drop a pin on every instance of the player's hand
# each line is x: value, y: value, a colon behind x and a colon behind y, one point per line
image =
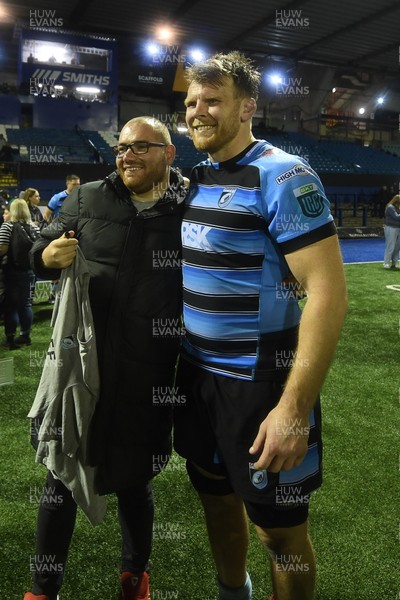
x: 282, y: 440
x: 60, y: 253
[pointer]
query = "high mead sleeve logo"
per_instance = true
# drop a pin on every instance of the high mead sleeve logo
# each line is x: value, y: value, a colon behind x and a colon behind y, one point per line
x: 296, y: 170
x: 310, y: 200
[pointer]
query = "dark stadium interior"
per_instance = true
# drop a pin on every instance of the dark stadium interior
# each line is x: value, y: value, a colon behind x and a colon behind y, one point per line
x: 72, y: 73
x: 312, y: 46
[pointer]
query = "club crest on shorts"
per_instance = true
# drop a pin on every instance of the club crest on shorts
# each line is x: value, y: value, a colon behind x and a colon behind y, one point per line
x: 226, y: 197
x: 258, y: 477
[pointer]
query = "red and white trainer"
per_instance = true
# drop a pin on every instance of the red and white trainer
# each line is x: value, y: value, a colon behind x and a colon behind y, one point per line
x: 135, y: 586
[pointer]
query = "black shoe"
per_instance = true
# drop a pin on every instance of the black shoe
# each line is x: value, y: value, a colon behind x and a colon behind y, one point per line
x: 23, y: 340
x: 9, y: 343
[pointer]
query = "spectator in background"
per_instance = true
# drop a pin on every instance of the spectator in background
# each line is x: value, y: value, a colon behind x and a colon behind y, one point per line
x: 4, y: 203
x: 53, y: 207
x: 6, y: 214
x: 32, y: 198
x: 19, y: 278
x: 4, y: 219
x: 6, y: 152
x: 392, y: 233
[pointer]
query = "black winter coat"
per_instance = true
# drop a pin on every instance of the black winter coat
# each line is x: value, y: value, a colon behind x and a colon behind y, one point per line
x: 135, y: 294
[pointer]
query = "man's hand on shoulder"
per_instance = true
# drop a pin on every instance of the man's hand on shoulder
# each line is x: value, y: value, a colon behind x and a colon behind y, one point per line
x: 60, y: 253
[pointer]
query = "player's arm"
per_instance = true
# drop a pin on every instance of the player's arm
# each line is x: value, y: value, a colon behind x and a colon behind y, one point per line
x: 47, y: 215
x: 319, y: 270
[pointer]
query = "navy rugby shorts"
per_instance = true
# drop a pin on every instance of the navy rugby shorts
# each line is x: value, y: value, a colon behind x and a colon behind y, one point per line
x: 214, y: 428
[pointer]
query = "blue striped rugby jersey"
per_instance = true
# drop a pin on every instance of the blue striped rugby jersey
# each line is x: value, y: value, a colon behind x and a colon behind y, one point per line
x: 241, y: 217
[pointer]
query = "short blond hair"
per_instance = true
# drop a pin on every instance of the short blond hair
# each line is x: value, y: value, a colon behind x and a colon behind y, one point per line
x: 215, y: 71
x: 19, y: 211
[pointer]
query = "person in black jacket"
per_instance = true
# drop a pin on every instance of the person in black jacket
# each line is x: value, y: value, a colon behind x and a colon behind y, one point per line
x: 128, y: 228
x: 16, y: 238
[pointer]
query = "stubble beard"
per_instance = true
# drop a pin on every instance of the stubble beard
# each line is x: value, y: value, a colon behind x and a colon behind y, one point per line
x: 219, y: 139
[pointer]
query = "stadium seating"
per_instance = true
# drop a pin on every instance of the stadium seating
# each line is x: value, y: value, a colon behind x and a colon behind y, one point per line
x: 186, y: 154
x: 325, y: 156
x: 103, y: 141
x: 50, y: 145
x: 363, y: 159
x: 392, y: 149
x: 328, y: 156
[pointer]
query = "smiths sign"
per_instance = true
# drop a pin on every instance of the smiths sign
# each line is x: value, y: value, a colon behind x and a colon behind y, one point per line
x: 60, y: 77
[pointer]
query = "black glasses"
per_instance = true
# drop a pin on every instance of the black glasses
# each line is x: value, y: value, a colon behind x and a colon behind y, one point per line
x: 135, y: 147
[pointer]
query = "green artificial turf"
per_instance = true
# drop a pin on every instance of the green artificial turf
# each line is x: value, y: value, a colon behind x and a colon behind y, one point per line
x: 354, y: 516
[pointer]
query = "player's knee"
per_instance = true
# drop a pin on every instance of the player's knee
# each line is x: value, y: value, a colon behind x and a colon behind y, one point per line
x: 205, y: 482
x: 282, y: 540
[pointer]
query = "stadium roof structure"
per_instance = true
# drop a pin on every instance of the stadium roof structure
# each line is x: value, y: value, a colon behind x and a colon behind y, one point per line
x: 347, y: 36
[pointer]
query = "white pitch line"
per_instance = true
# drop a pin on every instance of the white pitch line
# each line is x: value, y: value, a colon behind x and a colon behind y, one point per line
x: 368, y: 262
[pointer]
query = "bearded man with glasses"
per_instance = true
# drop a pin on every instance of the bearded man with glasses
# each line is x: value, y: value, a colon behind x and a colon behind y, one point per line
x: 128, y: 228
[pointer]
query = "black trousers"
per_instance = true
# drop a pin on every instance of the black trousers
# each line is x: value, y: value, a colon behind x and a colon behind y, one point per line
x: 55, y: 526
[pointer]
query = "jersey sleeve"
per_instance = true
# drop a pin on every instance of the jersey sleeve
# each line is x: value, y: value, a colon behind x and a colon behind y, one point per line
x: 52, y: 203
x: 295, y: 205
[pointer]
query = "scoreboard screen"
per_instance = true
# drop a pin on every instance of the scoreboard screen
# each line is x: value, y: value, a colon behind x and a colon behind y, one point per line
x: 61, y: 64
